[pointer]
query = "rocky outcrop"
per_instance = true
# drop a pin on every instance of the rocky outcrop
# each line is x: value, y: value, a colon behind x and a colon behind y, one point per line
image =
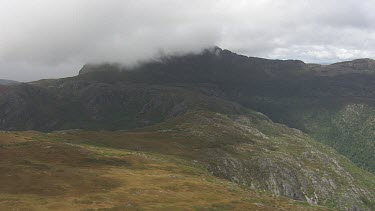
x: 87, y: 68
x: 358, y: 66
x: 254, y: 152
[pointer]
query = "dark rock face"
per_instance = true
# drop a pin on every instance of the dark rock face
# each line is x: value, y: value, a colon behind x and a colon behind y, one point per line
x: 87, y: 68
x: 25, y: 107
x: 83, y: 104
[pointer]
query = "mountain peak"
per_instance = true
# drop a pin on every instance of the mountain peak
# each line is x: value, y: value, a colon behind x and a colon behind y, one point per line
x: 213, y: 50
x: 87, y: 68
x: 212, y: 62
x: 217, y: 64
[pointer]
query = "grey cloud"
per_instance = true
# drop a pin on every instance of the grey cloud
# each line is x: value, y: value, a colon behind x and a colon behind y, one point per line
x: 42, y: 39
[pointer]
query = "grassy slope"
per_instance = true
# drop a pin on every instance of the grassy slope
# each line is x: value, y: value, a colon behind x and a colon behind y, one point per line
x: 38, y: 173
x: 349, y: 129
x: 346, y: 126
x: 249, y: 150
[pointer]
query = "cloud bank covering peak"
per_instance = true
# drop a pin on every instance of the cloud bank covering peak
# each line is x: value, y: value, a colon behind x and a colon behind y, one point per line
x: 44, y: 39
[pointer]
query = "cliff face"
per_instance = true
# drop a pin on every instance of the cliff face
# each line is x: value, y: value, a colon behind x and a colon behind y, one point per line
x: 84, y: 104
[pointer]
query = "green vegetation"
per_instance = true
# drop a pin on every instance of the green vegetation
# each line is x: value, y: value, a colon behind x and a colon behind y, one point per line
x: 40, y: 174
x: 347, y: 127
x: 249, y: 150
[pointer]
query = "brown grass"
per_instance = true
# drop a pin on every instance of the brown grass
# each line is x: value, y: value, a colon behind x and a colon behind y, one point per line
x: 38, y: 174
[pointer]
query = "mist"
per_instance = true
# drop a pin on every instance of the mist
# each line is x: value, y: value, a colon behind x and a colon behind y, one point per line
x: 51, y: 39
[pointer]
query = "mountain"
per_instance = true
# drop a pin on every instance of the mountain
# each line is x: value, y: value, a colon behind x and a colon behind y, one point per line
x: 300, y: 95
x: 242, y: 65
x: 7, y: 82
x: 313, y: 98
x: 203, y: 109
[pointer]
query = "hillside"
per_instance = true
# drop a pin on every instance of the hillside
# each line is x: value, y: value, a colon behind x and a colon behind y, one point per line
x: 2, y: 88
x: 248, y: 150
x: 39, y: 174
x: 83, y: 104
x: 345, y: 125
x: 252, y: 151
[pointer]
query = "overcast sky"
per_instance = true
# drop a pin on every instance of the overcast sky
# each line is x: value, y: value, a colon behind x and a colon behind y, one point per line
x: 54, y: 38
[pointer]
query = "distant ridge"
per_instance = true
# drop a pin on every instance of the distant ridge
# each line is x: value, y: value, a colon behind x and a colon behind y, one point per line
x: 271, y: 67
x: 8, y: 82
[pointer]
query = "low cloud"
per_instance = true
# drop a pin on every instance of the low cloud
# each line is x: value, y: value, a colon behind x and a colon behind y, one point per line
x: 43, y: 39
